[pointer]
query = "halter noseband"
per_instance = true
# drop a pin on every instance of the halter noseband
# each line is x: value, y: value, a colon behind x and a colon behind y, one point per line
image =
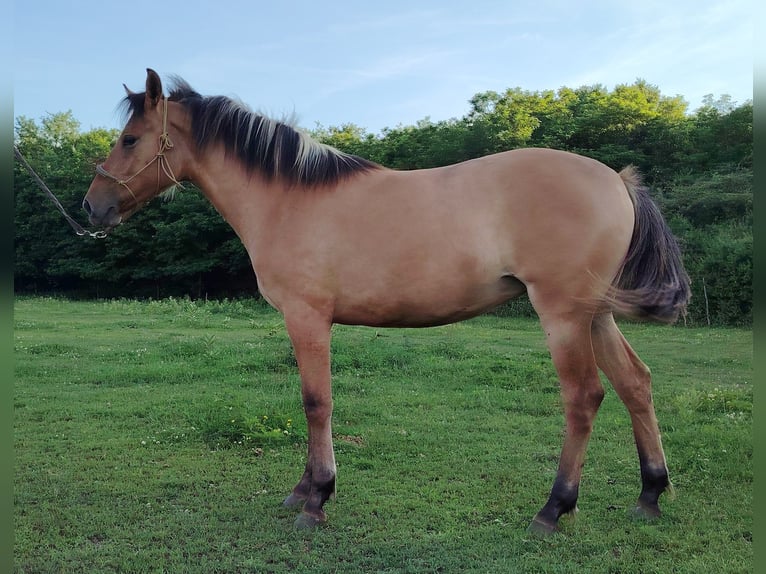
x: 165, y: 144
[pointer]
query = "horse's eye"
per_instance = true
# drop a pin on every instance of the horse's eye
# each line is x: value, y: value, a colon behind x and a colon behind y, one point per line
x: 129, y: 141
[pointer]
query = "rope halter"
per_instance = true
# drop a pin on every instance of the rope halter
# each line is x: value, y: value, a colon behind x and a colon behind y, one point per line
x: 165, y: 144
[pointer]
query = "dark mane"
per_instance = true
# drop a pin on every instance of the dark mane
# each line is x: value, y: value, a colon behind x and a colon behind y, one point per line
x: 275, y: 149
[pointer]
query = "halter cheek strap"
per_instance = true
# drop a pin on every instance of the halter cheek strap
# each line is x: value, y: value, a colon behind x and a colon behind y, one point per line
x: 162, y: 161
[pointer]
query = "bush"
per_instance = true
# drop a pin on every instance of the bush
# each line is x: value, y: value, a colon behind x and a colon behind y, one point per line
x: 719, y: 260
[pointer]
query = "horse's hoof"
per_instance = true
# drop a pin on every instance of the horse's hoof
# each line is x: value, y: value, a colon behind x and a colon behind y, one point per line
x: 541, y: 529
x: 307, y: 522
x: 645, y: 512
x: 293, y: 500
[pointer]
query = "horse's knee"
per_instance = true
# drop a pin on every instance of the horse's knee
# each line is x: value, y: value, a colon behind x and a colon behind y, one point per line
x: 318, y: 409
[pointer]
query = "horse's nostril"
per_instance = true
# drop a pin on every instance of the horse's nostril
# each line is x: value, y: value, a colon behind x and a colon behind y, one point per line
x: 86, y: 206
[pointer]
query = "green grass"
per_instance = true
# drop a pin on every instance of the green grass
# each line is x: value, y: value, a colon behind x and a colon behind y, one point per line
x: 162, y: 437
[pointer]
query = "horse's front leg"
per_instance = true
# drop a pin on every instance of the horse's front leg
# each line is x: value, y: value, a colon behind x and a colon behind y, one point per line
x: 310, y: 335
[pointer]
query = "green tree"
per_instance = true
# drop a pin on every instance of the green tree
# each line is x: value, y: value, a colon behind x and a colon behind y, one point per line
x: 64, y: 158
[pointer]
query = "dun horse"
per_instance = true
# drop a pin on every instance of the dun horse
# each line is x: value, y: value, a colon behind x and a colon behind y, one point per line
x: 334, y: 238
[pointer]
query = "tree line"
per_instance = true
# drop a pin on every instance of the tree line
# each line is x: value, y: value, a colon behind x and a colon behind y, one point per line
x: 699, y: 165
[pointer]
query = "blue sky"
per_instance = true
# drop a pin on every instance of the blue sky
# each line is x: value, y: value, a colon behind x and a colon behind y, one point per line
x: 374, y: 64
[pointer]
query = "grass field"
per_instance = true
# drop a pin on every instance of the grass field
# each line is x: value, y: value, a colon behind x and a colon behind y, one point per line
x: 162, y: 436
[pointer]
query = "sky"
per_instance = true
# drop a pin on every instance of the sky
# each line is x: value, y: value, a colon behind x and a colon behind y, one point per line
x: 372, y: 64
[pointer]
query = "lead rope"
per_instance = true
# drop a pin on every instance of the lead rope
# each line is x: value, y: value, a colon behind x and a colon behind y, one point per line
x: 78, y: 229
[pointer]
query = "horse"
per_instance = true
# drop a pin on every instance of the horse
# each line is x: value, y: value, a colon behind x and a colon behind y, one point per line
x: 335, y: 238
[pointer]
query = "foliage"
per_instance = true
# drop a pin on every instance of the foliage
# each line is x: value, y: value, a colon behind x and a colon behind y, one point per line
x: 699, y: 164
x: 713, y: 216
x: 446, y: 439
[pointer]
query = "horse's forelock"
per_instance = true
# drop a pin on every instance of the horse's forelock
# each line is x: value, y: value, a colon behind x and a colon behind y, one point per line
x: 132, y: 105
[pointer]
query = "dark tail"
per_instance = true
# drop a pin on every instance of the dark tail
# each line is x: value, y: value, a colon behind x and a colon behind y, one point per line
x: 653, y: 283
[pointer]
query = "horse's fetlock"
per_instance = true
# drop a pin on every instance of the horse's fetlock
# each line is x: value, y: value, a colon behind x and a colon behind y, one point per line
x: 324, y: 482
x: 562, y: 500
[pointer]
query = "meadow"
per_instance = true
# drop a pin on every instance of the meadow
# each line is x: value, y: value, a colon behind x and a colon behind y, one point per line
x: 162, y: 436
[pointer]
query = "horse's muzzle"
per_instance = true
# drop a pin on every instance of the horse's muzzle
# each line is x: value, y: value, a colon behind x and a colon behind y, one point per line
x: 106, y: 214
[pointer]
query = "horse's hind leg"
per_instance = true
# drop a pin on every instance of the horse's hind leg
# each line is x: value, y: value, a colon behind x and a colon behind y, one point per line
x: 568, y: 337
x: 632, y: 381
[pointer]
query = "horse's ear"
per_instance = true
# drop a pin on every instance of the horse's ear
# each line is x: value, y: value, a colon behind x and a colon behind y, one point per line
x: 128, y: 91
x: 153, y: 88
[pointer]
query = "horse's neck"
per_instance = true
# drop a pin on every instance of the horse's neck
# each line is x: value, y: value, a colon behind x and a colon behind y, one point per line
x: 245, y: 200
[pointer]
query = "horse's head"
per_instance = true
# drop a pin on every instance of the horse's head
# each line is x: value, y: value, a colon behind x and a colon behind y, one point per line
x: 139, y: 166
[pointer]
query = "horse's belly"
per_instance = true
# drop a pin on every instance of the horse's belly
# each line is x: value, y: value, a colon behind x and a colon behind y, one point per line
x: 426, y: 307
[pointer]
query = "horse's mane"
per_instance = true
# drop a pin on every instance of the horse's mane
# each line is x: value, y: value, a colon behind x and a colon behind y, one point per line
x: 276, y: 149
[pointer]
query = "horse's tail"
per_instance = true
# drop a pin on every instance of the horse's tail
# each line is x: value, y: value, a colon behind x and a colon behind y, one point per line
x: 653, y: 283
